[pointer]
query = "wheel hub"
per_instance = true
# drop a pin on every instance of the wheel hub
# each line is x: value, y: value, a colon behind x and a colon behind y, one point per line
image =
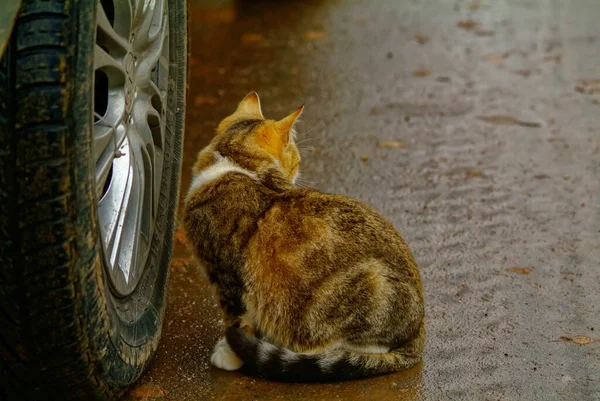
x: 131, y: 59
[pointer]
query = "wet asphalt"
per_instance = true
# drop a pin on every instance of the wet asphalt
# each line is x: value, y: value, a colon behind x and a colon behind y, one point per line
x: 474, y: 127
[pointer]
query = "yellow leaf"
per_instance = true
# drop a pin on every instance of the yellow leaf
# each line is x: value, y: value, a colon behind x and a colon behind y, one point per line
x: 496, y: 58
x: 421, y: 73
x: 520, y: 270
x: 475, y: 174
x: 581, y: 340
x: 467, y: 25
x: 508, y: 120
x: 392, y: 144
x: 421, y: 39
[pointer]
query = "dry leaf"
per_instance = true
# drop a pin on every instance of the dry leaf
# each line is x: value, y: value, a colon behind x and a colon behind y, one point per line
x: 421, y: 39
x: 467, y: 25
x: 523, y: 73
x: 556, y: 59
x: 520, y: 270
x: 589, y: 82
x: 475, y: 174
x: 508, y: 120
x: 496, y: 58
x: 315, y: 35
x: 364, y: 158
x: 589, y: 86
x: 581, y: 340
x: 144, y: 391
x: 421, y: 73
x: 392, y: 144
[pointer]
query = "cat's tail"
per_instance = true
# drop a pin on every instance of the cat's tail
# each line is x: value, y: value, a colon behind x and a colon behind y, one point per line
x: 266, y: 360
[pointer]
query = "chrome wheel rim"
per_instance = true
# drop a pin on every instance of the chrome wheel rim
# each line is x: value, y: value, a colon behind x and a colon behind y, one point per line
x: 131, y: 63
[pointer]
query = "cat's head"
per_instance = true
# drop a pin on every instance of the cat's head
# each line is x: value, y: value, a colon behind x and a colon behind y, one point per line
x: 255, y: 143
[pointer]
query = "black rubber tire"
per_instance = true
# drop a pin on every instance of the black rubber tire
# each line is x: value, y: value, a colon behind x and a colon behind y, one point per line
x: 63, y: 335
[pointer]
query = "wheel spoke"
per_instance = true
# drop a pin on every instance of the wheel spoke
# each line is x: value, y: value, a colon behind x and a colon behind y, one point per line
x: 142, y: 110
x: 108, y: 36
x: 149, y: 25
x: 102, y: 60
x: 113, y: 206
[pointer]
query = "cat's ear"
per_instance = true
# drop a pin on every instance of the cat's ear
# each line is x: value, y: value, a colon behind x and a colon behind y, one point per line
x: 285, y: 125
x: 250, y: 105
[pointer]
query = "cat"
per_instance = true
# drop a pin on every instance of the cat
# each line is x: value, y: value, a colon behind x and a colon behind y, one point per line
x: 313, y: 286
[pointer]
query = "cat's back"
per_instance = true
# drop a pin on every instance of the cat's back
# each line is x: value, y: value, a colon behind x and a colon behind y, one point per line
x: 310, y: 222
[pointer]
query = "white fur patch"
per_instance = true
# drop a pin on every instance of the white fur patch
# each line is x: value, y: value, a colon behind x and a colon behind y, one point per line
x: 328, y: 359
x: 265, y: 350
x: 370, y: 349
x: 221, y: 167
x: 336, y: 352
x: 223, y: 356
x: 289, y: 356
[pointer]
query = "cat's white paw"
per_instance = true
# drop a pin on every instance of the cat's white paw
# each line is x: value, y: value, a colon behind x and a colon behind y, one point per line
x: 223, y: 357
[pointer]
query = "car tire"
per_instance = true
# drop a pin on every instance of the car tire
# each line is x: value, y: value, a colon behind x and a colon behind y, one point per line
x: 65, y: 331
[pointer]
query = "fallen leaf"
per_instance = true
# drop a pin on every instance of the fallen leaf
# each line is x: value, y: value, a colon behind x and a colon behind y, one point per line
x: 589, y: 82
x: 421, y: 39
x: 475, y: 174
x: 541, y: 176
x: 204, y: 100
x: 144, y: 391
x: 589, y: 86
x: 520, y: 270
x: 315, y: 35
x: 180, y: 235
x: 523, y: 73
x: 444, y: 79
x: 392, y: 144
x: 467, y: 25
x: 556, y: 59
x: 581, y: 340
x: 496, y: 58
x: 421, y: 73
x: 508, y: 120
x: 364, y: 158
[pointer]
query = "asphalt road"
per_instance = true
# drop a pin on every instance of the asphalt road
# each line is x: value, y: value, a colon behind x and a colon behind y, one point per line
x: 474, y: 127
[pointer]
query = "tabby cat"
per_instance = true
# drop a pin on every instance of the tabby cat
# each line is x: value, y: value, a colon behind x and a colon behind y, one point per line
x: 313, y: 286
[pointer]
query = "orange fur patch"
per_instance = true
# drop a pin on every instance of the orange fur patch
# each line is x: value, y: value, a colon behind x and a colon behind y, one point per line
x: 270, y: 139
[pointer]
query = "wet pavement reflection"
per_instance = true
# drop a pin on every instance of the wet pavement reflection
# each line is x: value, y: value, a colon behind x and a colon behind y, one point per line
x: 473, y: 126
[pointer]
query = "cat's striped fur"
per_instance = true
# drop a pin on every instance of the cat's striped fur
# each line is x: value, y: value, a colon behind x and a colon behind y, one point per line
x: 313, y: 286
